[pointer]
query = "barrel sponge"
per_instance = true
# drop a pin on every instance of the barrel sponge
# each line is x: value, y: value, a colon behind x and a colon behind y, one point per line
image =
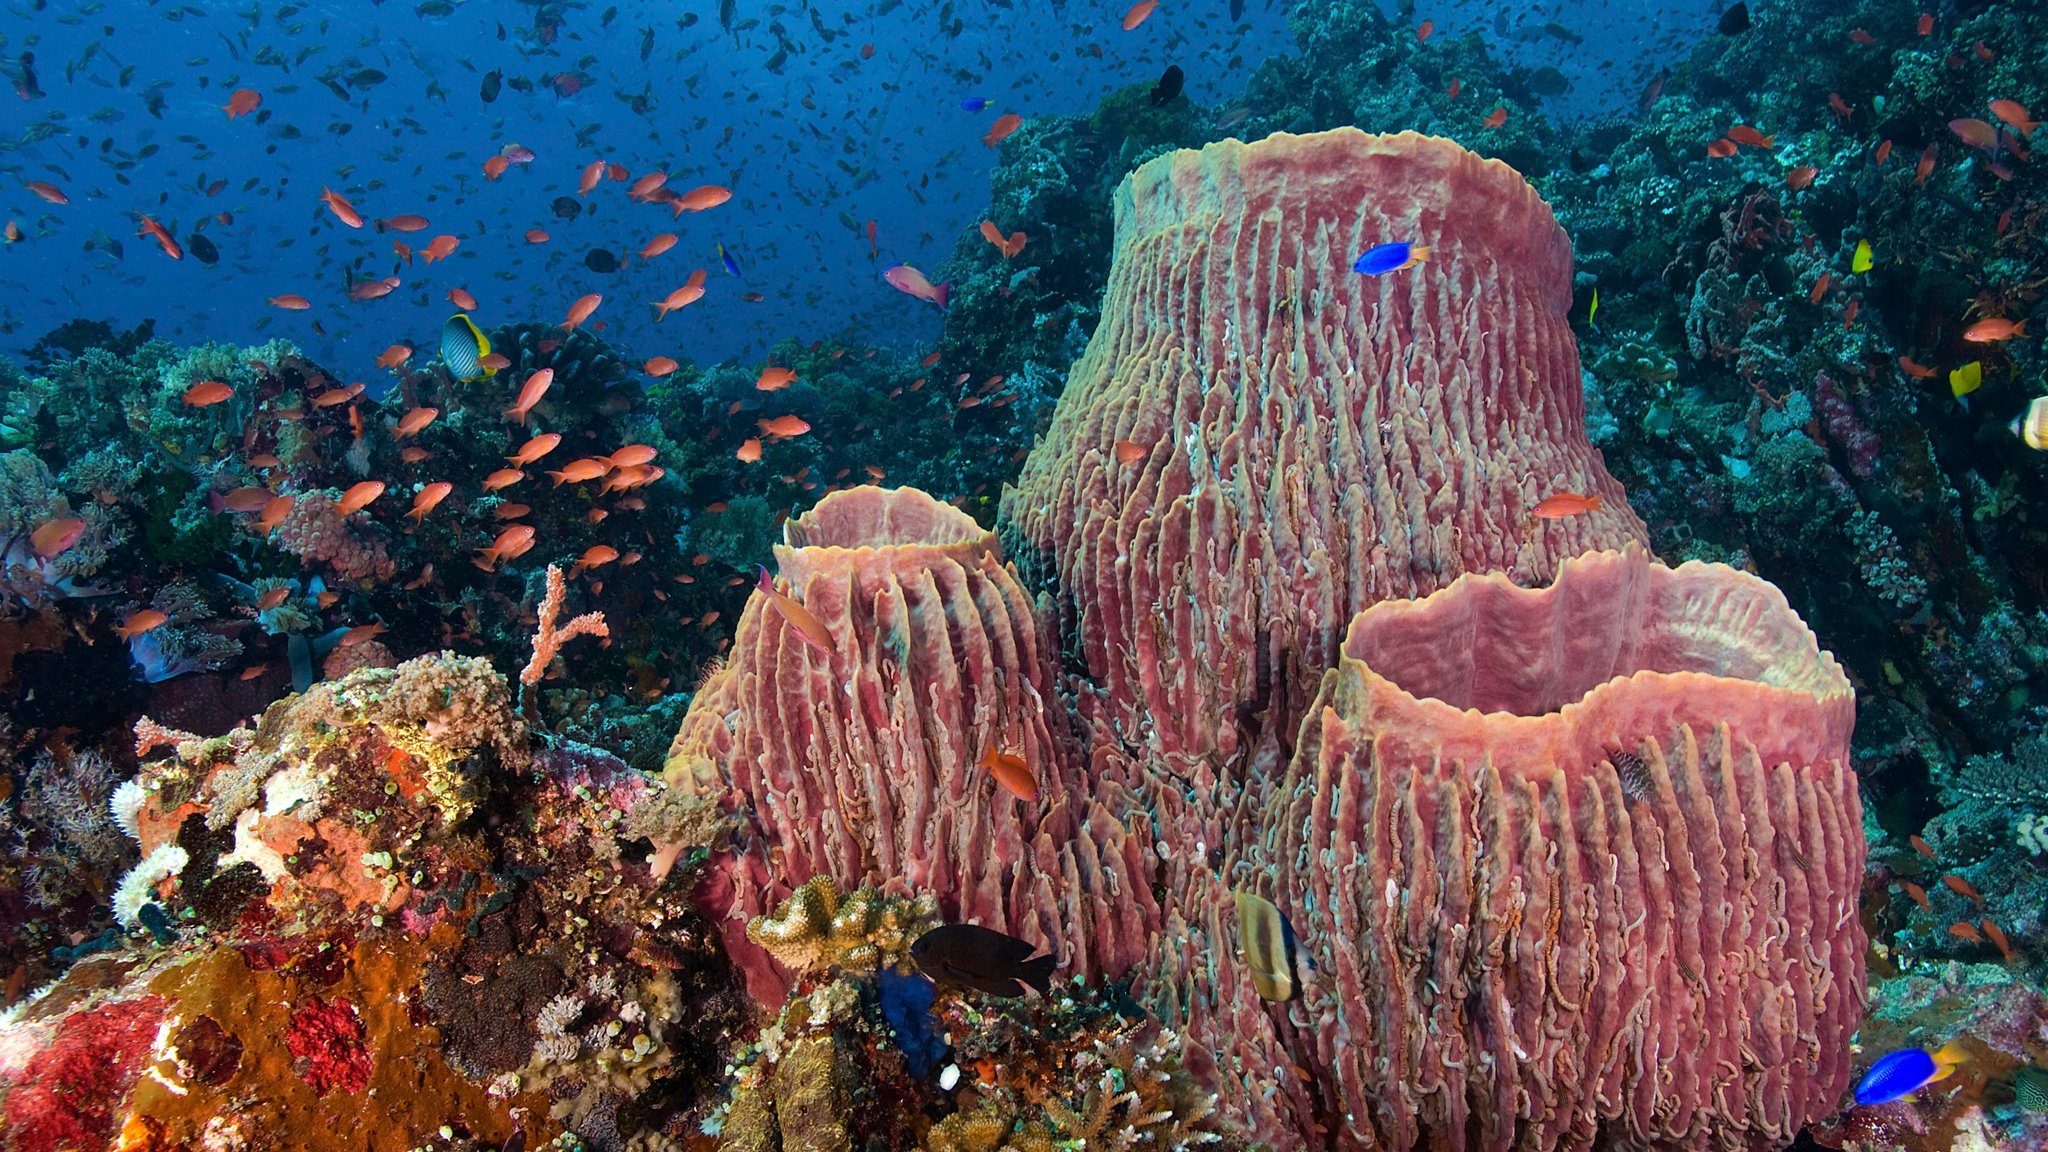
x: 861, y: 764
x: 1259, y: 441
x: 1577, y: 865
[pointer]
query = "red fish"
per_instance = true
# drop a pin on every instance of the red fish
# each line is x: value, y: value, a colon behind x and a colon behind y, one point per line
x: 750, y: 451
x: 55, y: 537
x: 48, y: 191
x: 530, y: 393
x: 1005, y: 124
x: 291, y: 302
x: 1744, y: 134
x: 1138, y: 13
x: 534, y: 449
x: 495, y: 167
x: 428, y: 497
x: 342, y: 209
x: 1010, y: 771
x: 1994, y: 328
x: 807, y: 625
x: 784, y: 426
x: 774, y: 379
x: 412, y: 422
x: 243, y: 102
x: 406, y: 223
x: 1963, y: 888
x: 592, y: 173
x: 700, y: 199
x: 1721, y: 149
x: 1975, y: 133
x: 1925, y: 167
x: 658, y: 245
x: 1566, y: 504
x: 581, y: 310
x: 393, y: 356
x: 659, y: 366
x: 503, y: 478
x: 904, y: 278
x: 207, y: 393
x: 1801, y: 177
x: 146, y: 620
x: 2015, y: 116
x: 440, y: 248
x: 163, y: 236
x: 358, y: 497
x: 373, y: 289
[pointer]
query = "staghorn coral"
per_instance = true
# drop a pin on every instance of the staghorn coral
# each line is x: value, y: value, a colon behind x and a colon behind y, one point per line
x: 817, y: 928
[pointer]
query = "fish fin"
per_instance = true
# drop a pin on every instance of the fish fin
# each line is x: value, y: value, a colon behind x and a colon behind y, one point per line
x: 1418, y: 253
x: 1037, y: 972
x: 945, y: 291
x: 1947, y: 1057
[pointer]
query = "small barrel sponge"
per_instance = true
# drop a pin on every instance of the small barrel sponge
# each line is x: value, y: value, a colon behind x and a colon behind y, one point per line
x: 1577, y: 866
x: 1259, y: 441
x: 861, y: 764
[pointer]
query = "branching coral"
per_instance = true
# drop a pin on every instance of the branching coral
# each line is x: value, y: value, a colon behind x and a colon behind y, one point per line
x: 548, y: 637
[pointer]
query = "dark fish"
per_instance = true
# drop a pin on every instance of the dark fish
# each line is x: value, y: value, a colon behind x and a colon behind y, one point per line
x: 1548, y: 81
x: 1270, y: 949
x: 493, y: 80
x: 566, y: 207
x: 1236, y: 10
x: 367, y: 78
x: 201, y: 248
x: 726, y: 11
x: 1560, y: 32
x: 1168, y: 87
x: 974, y: 103
x: 1653, y: 89
x: 1735, y: 20
x: 971, y: 956
x: 25, y: 78
x: 646, y: 43
x: 599, y: 260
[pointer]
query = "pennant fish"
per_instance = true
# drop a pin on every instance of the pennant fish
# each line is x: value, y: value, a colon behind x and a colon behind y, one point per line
x: 1270, y: 948
x: 463, y: 348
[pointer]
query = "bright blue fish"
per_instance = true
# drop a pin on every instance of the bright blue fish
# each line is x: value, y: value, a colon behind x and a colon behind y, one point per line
x: 1383, y: 258
x: 1905, y: 1072
x: 725, y: 258
x: 974, y: 103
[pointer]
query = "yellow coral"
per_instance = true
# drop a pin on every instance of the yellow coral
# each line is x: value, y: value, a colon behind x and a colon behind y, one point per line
x: 986, y: 1129
x: 817, y: 928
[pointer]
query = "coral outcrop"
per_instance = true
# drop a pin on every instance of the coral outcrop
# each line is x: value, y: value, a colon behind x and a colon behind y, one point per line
x: 1260, y: 441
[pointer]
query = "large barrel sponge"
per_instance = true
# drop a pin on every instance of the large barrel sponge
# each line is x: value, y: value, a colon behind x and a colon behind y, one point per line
x: 1259, y: 441
x: 1578, y: 867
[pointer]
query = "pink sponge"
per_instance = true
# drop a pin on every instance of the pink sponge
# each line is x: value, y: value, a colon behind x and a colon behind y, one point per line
x: 1573, y: 860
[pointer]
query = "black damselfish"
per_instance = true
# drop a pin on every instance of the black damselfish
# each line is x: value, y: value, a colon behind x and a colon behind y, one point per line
x: 970, y: 956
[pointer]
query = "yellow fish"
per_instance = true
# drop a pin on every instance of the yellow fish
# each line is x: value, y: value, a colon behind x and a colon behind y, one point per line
x: 1861, y: 262
x: 1270, y: 949
x: 1967, y: 379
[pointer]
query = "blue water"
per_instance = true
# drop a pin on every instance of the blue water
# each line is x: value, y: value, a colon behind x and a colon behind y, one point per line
x: 814, y: 139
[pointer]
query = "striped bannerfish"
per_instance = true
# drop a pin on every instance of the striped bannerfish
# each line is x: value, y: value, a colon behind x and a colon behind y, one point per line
x: 1270, y: 949
x: 463, y: 348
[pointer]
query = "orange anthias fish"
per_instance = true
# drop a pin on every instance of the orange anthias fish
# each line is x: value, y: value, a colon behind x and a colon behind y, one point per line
x: 1994, y: 328
x: 2015, y: 116
x: 1138, y: 13
x: 243, y: 102
x: 207, y: 393
x: 632, y: 456
x: 808, y: 626
x: 691, y: 292
x: 1963, y: 888
x: 56, y: 537
x: 503, y: 478
x: 592, y: 173
x: 1744, y: 134
x: 291, y: 302
x: 578, y: 471
x: 271, y: 598
x: 393, y: 356
x: 511, y: 543
x: 594, y: 556
x: 440, y: 248
x: 700, y: 199
x: 373, y: 289
x: 359, y: 497
x: 536, y: 386
x: 658, y: 245
x: 1011, y: 772
x: 429, y: 496
x: 1497, y: 117
x: 659, y: 366
x: 1566, y: 504
x: 146, y: 620
x: 361, y: 633
x: 495, y: 167
x: 461, y: 298
x: 408, y: 222
x: 1722, y: 149
x: 534, y: 449
x: 163, y: 237
x: 784, y: 426
x: 48, y: 191
x: 411, y: 423
x: 275, y: 512
x: 250, y: 499
x: 1000, y: 131
x: 581, y: 310
x: 1129, y: 451
x: 342, y: 209
x: 750, y: 451
x: 1801, y: 177
x: 774, y: 379
x: 644, y: 188
x: 1916, y: 370
x: 1975, y: 133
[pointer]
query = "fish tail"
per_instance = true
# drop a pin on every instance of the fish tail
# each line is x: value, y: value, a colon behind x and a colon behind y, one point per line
x: 1418, y: 253
x: 1949, y: 1055
x: 1037, y: 972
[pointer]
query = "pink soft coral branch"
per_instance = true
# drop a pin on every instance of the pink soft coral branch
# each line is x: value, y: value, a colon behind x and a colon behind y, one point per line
x: 548, y: 639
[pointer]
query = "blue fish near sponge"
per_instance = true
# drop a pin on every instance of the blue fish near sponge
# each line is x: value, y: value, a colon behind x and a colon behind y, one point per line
x: 1905, y: 1072
x: 1381, y: 259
